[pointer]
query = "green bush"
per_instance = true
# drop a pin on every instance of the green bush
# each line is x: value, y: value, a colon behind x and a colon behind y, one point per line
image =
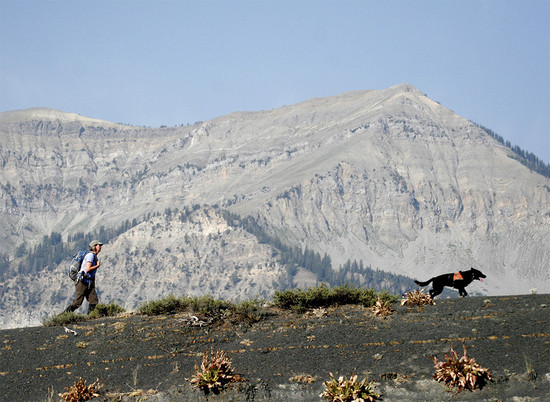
x: 65, y: 318
x: 210, y: 307
x: 106, y: 310
x: 323, y: 296
x: 207, y: 307
x: 289, y: 299
x: 250, y: 310
x: 204, y: 305
x: 168, y: 305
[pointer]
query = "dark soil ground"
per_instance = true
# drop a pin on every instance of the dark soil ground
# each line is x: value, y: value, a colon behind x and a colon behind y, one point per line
x: 151, y: 357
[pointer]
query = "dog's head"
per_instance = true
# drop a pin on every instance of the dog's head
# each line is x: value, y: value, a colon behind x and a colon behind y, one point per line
x: 476, y: 274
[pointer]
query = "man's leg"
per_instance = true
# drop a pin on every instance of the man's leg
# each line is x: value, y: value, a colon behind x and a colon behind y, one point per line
x: 92, y: 299
x: 81, y: 292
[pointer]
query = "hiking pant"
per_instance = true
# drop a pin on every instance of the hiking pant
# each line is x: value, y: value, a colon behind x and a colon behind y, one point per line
x: 84, y: 291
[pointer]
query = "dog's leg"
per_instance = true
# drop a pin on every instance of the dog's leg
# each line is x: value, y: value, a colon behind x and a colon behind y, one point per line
x: 435, y: 291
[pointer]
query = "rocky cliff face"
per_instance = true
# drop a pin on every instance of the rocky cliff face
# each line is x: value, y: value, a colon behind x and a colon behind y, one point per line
x: 388, y: 177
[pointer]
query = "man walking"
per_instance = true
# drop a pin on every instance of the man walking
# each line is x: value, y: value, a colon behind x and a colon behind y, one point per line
x: 85, y: 282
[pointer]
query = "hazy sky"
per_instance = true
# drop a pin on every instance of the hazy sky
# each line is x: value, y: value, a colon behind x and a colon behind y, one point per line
x: 168, y: 63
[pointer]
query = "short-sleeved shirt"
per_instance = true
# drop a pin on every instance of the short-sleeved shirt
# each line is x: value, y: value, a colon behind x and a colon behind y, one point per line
x: 90, y: 257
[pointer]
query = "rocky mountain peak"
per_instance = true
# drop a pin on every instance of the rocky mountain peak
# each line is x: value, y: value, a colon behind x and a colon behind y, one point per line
x: 389, y: 178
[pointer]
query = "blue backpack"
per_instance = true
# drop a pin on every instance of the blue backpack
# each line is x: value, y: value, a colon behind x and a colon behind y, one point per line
x: 74, y: 268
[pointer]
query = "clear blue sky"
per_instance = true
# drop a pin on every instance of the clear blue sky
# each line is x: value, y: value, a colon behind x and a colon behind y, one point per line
x: 158, y: 63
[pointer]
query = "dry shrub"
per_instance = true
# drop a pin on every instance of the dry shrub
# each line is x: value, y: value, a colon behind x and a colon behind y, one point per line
x: 382, y: 308
x: 416, y: 298
x: 215, y: 372
x: 463, y: 372
x: 317, y: 312
x: 79, y: 391
x: 348, y: 390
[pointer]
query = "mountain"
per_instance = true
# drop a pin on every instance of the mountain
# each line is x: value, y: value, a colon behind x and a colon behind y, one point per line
x: 387, y: 178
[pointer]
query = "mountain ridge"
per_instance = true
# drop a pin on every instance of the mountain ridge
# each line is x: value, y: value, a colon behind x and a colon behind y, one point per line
x: 389, y: 177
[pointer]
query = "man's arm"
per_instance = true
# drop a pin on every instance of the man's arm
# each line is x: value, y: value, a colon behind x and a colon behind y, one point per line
x: 89, y: 266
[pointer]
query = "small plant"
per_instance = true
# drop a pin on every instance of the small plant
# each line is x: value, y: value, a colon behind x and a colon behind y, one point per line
x: 319, y: 312
x: 79, y: 391
x: 382, y: 308
x: 303, y: 379
x: 463, y: 372
x: 215, y: 372
x: 416, y: 298
x: 348, y: 390
x: 531, y: 373
x: 106, y: 310
x: 51, y: 394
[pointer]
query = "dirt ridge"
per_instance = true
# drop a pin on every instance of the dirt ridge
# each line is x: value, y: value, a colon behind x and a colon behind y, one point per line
x: 507, y: 334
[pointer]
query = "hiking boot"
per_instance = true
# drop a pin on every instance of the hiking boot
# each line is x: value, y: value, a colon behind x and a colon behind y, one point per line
x: 70, y: 308
x: 91, y: 308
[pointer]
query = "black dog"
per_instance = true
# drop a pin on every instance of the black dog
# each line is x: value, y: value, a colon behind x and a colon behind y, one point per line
x: 457, y: 280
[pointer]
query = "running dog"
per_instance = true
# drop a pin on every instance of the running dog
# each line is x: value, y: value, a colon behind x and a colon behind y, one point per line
x: 458, y: 280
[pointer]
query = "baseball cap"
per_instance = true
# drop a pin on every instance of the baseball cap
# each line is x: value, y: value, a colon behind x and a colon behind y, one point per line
x: 94, y: 243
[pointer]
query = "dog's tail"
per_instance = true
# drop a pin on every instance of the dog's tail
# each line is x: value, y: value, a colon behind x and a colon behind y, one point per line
x: 423, y: 283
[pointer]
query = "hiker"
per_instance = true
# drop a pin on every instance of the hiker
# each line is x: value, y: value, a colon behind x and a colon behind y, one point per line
x: 85, y: 283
